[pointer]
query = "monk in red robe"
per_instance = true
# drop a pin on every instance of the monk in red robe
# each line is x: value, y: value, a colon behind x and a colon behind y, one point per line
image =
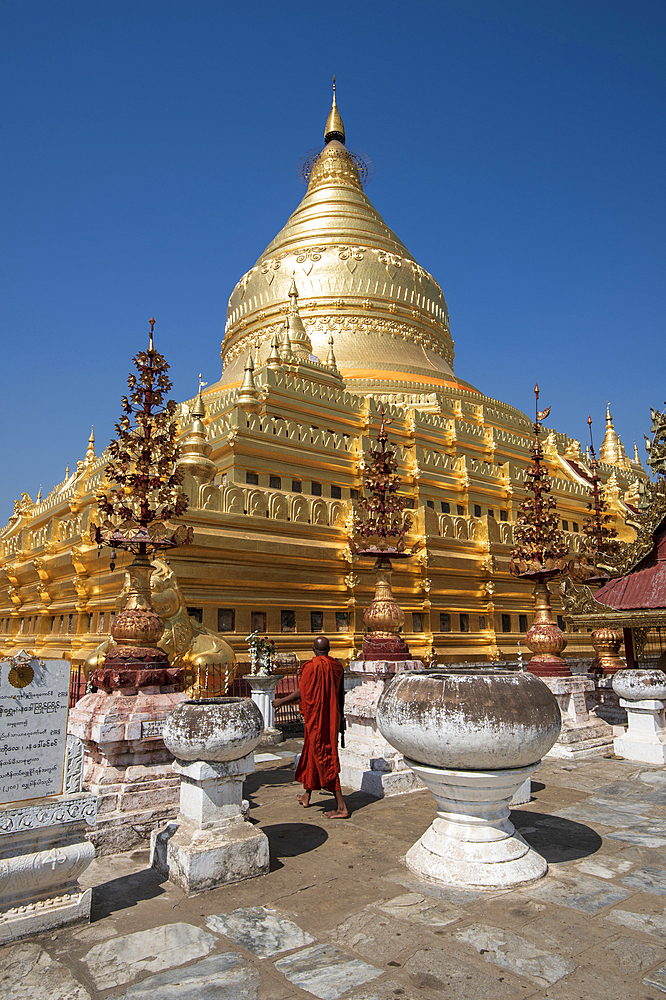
x: 321, y: 694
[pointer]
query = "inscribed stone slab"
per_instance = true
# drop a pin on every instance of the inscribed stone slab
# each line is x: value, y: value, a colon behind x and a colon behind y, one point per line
x: 33, y: 729
x: 513, y: 952
x: 260, y: 929
x: 113, y: 963
x: 218, y: 977
x: 326, y: 972
x: 28, y: 973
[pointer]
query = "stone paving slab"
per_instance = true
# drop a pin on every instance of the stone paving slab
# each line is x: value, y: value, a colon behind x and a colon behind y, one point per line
x: 339, y: 916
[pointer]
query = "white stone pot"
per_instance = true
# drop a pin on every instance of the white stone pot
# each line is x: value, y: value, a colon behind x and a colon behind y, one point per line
x: 640, y: 685
x: 473, y: 737
x: 484, y: 719
x: 213, y: 729
x: 643, y: 694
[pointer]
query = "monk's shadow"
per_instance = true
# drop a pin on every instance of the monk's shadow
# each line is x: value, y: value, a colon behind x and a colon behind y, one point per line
x: 288, y: 840
x: 556, y: 839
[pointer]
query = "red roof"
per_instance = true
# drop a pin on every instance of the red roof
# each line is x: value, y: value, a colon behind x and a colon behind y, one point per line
x: 644, y: 586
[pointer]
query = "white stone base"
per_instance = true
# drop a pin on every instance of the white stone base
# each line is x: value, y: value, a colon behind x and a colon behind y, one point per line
x: 197, y: 860
x: 582, y: 735
x: 43, y: 851
x: 368, y: 763
x: 472, y: 842
x: 645, y: 738
x: 263, y: 692
x: 211, y: 843
x: 45, y: 915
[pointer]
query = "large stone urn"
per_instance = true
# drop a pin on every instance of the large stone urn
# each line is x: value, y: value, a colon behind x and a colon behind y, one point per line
x: 473, y: 737
x: 643, y: 694
x: 211, y: 843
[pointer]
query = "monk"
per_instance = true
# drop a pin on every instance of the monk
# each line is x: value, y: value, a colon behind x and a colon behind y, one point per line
x: 321, y: 694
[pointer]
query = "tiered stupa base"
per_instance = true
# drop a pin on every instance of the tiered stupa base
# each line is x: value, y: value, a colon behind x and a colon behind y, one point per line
x: 126, y: 763
x: 472, y: 842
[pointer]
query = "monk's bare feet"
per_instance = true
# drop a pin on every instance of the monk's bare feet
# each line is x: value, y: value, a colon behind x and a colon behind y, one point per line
x: 304, y: 799
x: 337, y: 813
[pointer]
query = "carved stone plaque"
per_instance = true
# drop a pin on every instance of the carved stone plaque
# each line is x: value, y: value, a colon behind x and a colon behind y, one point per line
x: 34, y: 696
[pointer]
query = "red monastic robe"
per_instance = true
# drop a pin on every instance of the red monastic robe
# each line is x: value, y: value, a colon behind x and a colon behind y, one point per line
x: 322, y: 702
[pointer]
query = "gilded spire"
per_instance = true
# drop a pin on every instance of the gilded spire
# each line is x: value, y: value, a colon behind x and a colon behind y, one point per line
x: 330, y: 358
x: 257, y: 355
x: 334, y: 127
x: 39, y: 495
x: 90, y: 452
x: 610, y: 450
x: 287, y: 349
x: 274, y: 361
x: 300, y: 341
x: 248, y: 397
x: 194, y: 450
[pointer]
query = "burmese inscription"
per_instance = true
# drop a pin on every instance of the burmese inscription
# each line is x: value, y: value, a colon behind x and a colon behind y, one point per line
x: 33, y: 730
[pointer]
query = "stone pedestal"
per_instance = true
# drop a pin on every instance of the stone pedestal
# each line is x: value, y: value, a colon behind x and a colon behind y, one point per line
x: 472, y: 842
x: 263, y: 692
x: 43, y: 850
x: 211, y: 843
x: 645, y: 738
x: 368, y: 763
x: 604, y: 702
x: 582, y: 735
x: 127, y: 765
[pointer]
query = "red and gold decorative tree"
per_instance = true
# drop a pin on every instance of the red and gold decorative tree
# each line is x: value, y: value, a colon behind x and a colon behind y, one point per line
x: 142, y: 496
x: 379, y: 528
x: 540, y: 552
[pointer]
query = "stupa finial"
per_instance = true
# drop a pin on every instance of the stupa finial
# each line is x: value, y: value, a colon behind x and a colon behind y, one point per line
x: 151, y: 346
x: 334, y: 126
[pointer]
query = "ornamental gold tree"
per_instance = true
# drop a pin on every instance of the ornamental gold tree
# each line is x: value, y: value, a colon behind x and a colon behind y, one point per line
x: 380, y: 525
x: 142, y: 495
x: 540, y: 552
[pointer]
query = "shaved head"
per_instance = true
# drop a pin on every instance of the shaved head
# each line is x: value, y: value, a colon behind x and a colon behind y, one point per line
x: 321, y: 645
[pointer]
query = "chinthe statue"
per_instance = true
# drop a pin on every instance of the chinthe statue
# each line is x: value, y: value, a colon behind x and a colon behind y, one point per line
x: 208, y: 661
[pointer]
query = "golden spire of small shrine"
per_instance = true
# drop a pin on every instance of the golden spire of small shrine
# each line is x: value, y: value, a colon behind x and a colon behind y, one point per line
x: 90, y: 451
x: 248, y: 397
x: 330, y: 357
x: 274, y: 361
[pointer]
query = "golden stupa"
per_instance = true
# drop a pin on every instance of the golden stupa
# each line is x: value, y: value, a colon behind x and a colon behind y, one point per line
x: 335, y: 319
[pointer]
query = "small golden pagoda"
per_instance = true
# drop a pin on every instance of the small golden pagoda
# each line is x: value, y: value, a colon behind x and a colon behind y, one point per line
x: 336, y: 320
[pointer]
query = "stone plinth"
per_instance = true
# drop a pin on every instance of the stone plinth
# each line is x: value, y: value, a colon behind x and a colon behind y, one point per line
x: 472, y: 841
x: 43, y: 850
x: 263, y: 692
x: 368, y: 763
x: 127, y: 765
x: 605, y: 703
x: 645, y: 738
x: 582, y: 735
x: 211, y: 843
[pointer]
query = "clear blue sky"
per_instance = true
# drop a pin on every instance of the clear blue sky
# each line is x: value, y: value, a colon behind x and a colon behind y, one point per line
x: 150, y: 151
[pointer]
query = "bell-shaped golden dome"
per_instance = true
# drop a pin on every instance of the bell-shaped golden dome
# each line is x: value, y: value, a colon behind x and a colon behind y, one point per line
x: 355, y: 280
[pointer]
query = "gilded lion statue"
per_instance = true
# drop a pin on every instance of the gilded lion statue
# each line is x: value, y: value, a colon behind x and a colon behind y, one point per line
x: 208, y: 661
